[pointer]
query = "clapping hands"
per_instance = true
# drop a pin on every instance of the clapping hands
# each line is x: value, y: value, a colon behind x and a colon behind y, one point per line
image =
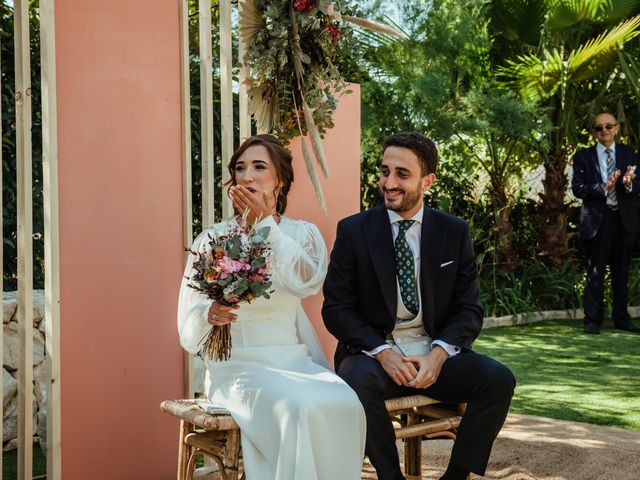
x: 612, y: 180
x: 629, y: 176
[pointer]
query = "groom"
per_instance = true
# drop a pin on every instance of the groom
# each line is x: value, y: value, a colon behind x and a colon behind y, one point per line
x: 401, y: 296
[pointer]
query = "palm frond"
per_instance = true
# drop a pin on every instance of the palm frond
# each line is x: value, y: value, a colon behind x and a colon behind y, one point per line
x: 519, y: 21
x: 565, y: 13
x: 263, y: 103
x: 538, y: 77
x: 595, y: 55
x: 251, y: 21
x: 615, y: 10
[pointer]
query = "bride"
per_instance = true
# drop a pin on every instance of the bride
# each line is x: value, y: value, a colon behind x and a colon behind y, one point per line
x: 298, y: 420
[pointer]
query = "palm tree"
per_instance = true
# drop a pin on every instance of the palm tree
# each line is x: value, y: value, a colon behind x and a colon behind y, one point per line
x: 563, y: 55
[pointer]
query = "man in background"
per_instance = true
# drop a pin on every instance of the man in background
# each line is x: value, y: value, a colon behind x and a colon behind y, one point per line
x: 604, y: 178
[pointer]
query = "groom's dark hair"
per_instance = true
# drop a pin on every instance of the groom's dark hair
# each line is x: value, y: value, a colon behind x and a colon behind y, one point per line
x: 423, y: 147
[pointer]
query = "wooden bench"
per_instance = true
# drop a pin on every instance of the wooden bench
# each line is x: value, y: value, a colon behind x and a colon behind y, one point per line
x: 217, y: 436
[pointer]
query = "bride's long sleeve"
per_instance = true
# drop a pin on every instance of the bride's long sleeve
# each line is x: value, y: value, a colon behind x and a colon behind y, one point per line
x: 193, y: 306
x: 299, y: 255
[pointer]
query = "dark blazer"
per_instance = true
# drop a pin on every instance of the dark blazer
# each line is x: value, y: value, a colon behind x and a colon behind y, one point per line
x: 360, y: 291
x: 587, y: 185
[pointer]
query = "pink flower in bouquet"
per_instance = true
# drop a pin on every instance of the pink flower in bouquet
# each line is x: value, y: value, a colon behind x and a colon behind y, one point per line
x: 232, y: 266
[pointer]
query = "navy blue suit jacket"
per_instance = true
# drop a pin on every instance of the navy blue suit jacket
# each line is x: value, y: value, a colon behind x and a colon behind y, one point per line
x: 587, y: 185
x: 360, y: 291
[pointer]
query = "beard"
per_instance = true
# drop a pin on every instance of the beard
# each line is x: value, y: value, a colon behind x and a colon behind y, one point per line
x: 406, y: 201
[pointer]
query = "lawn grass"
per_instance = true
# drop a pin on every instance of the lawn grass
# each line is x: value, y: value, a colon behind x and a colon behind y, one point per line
x: 566, y: 374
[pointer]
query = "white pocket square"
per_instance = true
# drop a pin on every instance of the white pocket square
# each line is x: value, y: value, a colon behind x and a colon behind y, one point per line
x: 446, y: 263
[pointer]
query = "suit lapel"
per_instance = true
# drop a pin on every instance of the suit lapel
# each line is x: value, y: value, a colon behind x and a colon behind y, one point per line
x: 380, y: 244
x: 593, y: 153
x: 432, y: 242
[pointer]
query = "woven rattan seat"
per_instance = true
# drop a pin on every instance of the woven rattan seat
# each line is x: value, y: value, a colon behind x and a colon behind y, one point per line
x: 217, y: 436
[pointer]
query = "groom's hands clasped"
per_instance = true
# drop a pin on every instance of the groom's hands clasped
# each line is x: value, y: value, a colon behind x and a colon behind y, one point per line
x: 420, y: 371
x: 429, y: 367
x: 393, y: 363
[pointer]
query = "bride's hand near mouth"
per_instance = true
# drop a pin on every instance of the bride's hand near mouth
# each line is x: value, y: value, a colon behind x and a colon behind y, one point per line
x: 258, y: 204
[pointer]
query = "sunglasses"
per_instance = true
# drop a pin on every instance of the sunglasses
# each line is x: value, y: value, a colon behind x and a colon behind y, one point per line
x: 608, y: 126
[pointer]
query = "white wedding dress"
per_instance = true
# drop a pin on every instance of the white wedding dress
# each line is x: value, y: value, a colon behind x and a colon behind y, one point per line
x: 298, y: 420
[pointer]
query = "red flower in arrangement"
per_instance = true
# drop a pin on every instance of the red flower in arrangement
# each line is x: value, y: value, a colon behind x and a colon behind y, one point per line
x: 304, y: 5
x: 334, y: 31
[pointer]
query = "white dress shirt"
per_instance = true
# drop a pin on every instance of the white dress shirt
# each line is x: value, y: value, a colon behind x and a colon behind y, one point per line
x: 405, y: 320
x: 602, y: 163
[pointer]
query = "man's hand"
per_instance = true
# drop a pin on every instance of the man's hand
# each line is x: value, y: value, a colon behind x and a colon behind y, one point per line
x: 629, y: 176
x: 401, y: 372
x: 612, y: 180
x: 429, y: 367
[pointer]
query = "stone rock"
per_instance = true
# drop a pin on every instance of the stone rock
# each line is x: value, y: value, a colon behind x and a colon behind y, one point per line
x: 9, y: 388
x: 38, y: 306
x: 12, y: 346
x: 38, y: 347
x: 10, y: 445
x: 42, y: 429
x: 9, y: 305
x: 11, y: 408
x: 10, y: 424
x: 40, y: 372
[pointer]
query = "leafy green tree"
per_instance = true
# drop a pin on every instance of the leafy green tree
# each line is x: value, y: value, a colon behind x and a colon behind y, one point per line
x: 458, y: 102
x: 9, y: 192
x: 564, y: 55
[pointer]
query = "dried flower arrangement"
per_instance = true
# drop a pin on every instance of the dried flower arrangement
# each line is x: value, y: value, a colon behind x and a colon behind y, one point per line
x: 296, y: 50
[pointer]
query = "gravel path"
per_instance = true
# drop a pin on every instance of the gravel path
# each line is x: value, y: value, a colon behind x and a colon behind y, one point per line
x: 539, y: 448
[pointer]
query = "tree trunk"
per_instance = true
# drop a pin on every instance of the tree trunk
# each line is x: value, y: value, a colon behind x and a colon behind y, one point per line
x: 554, y: 212
x: 503, y: 230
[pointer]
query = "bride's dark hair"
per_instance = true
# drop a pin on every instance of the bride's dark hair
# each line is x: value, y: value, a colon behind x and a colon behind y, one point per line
x: 281, y: 159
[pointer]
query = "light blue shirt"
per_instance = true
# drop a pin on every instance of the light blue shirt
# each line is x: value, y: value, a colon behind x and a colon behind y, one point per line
x: 602, y: 159
x: 602, y: 163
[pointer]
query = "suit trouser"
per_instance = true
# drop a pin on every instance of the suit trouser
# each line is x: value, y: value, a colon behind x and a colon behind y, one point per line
x: 485, y: 384
x: 611, y: 246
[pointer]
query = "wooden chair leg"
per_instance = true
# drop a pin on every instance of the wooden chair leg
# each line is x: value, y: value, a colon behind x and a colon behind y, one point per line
x: 191, y: 465
x: 413, y: 453
x: 184, y: 450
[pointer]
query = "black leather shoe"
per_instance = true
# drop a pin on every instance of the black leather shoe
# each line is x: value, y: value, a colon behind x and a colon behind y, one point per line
x: 629, y: 328
x: 591, y: 328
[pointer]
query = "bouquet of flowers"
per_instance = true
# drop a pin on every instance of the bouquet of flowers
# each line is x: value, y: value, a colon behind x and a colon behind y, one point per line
x: 233, y: 268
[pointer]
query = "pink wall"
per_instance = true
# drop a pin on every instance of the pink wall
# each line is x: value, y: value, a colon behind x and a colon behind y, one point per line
x: 118, y: 75
x: 342, y: 190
